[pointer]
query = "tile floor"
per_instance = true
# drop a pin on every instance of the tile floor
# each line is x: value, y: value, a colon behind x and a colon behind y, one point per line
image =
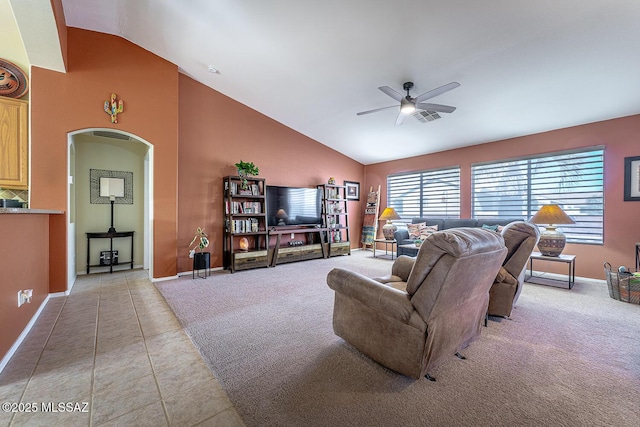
x: 114, y: 344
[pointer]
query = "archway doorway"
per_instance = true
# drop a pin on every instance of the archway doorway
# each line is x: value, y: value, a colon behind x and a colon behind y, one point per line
x: 94, y: 151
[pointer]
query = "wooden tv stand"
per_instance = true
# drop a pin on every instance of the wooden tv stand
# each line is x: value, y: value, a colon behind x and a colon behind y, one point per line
x: 282, y: 254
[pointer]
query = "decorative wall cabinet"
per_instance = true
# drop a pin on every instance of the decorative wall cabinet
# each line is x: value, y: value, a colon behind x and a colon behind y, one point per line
x: 14, y: 143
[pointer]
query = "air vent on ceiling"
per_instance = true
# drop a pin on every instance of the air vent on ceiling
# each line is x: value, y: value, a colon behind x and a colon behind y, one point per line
x: 426, y: 116
x: 112, y: 135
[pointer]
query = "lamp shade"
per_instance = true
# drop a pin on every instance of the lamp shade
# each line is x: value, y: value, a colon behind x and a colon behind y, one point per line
x: 389, y: 214
x: 551, y: 214
x: 552, y: 241
x: 388, y: 230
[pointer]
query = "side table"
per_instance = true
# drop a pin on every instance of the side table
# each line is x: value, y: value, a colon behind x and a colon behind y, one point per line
x: 110, y: 236
x: 567, y: 259
x: 386, y: 246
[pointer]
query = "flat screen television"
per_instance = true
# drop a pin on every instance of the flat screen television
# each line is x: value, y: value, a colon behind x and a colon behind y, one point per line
x: 289, y: 206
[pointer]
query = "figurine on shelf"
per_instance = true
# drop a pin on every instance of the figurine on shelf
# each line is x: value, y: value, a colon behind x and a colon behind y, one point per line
x: 332, y: 181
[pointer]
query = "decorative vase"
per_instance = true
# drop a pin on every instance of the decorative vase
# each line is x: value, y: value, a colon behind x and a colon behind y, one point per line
x: 388, y: 230
x: 552, y: 242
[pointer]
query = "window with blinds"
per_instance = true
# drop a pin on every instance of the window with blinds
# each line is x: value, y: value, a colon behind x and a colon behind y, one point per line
x: 517, y: 188
x: 431, y: 193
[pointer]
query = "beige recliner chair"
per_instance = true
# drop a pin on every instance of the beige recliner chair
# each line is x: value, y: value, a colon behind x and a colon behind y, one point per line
x: 520, y: 238
x: 428, y: 309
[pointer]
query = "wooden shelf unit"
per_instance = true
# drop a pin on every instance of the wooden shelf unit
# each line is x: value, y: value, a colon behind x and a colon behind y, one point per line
x: 245, y: 217
x: 335, y: 218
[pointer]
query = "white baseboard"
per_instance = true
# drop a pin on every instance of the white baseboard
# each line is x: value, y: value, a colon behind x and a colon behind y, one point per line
x: 24, y: 333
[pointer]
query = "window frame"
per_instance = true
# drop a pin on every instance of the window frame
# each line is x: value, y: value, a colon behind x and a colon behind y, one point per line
x: 591, y: 163
x: 426, y: 191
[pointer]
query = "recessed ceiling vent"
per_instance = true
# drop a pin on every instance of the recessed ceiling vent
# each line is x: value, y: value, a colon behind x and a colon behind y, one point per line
x: 112, y: 135
x: 426, y: 116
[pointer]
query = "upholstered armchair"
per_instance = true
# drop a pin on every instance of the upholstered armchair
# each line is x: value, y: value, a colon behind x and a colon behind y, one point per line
x: 428, y: 309
x: 520, y: 238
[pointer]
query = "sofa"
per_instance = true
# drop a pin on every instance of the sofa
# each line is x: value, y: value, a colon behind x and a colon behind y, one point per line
x: 402, y: 235
x: 429, y: 308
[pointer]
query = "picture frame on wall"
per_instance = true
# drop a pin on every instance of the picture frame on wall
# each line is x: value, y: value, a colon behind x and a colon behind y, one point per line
x: 632, y: 179
x: 352, y: 190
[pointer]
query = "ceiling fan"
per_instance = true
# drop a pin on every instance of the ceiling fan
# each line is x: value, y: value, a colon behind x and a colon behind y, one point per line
x: 409, y: 105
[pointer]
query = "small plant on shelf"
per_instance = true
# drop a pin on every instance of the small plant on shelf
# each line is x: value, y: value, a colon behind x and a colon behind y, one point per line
x: 246, y: 169
x: 200, y: 239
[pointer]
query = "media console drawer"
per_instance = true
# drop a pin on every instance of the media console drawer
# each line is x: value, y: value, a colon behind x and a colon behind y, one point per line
x: 342, y: 248
x: 252, y: 259
x: 299, y: 253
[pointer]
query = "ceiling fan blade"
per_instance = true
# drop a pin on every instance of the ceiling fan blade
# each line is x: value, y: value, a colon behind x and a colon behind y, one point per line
x: 373, y: 111
x: 436, y: 107
x: 400, y: 118
x: 392, y: 93
x: 437, y: 91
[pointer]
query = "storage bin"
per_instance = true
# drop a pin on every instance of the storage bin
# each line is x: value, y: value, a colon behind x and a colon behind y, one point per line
x: 623, y: 286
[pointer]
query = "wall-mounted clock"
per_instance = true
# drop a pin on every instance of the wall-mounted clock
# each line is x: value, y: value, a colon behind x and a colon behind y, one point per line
x: 13, y: 82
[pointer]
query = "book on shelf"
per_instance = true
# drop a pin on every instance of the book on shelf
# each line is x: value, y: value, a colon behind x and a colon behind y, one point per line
x: 243, y: 207
x: 235, y: 190
x: 249, y: 225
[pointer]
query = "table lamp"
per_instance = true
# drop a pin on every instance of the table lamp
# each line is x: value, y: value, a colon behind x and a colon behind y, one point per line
x: 111, y: 188
x: 389, y: 214
x: 551, y: 241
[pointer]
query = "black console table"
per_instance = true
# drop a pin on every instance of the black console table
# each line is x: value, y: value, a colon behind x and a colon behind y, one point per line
x: 109, y: 236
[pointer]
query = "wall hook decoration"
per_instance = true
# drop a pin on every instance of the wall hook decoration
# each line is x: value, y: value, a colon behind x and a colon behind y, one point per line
x: 112, y: 108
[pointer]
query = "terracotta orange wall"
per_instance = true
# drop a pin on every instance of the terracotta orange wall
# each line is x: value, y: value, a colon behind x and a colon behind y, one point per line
x: 620, y: 138
x: 98, y: 65
x: 27, y: 260
x: 215, y: 133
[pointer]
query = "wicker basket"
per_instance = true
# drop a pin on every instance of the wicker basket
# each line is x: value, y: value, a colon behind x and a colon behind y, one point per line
x: 623, y: 286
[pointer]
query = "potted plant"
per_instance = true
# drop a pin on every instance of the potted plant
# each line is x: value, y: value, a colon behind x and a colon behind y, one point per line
x: 201, y: 260
x: 246, y: 169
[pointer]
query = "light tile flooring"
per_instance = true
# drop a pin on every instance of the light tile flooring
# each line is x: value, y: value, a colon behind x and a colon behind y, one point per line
x: 114, y: 344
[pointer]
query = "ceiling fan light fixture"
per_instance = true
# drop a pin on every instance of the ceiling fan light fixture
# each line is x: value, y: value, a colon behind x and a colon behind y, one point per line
x: 407, y: 107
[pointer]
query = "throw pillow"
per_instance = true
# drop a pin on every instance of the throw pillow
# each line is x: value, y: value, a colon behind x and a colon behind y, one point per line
x: 490, y: 227
x: 421, y: 231
x: 427, y: 231
x: 414, y: 230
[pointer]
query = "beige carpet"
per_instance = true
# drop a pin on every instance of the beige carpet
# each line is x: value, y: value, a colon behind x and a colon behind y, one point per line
x: 567, y: 357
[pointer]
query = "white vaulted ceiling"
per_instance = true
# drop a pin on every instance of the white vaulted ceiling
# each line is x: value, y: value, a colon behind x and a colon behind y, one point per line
x: 524, y: 66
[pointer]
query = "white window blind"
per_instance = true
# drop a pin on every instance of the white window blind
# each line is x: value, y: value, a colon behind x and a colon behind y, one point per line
x: 517, y: 188
x: 431, y: 193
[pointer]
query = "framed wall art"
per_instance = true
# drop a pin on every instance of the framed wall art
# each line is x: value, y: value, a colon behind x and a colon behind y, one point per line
x: 632, y: 179
x: 100, y: 177
x: 352, y: 190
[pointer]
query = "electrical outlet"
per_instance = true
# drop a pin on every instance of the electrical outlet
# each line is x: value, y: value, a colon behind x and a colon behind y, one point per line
x: 24, y: 296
